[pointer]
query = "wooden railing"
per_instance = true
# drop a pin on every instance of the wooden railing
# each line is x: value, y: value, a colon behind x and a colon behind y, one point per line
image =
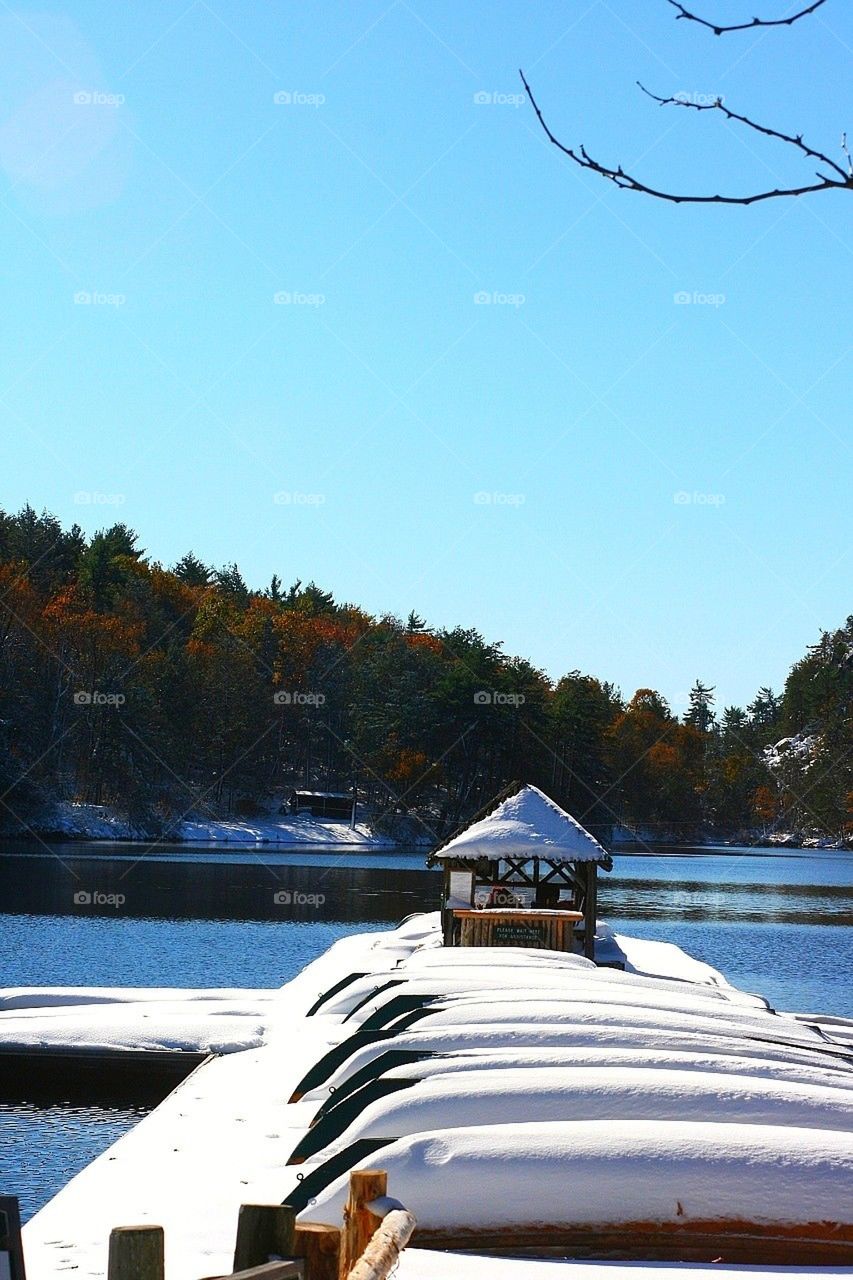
x: 271, y: 1245
x: 376, y: 1228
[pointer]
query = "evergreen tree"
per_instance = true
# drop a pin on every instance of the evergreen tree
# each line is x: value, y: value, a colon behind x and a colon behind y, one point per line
x: 700, y: 713
x: 192, y: 571
x: 231, y: 582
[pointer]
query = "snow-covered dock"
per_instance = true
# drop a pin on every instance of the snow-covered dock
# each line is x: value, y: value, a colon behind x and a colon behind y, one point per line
x: 114, y: 1020
x: 622, y: 1105
x: 658, y: 1095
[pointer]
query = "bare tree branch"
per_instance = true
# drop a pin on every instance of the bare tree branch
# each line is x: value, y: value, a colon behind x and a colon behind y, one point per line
x: 628, y: 182
x: 744, y: 26
x: 718, y: 105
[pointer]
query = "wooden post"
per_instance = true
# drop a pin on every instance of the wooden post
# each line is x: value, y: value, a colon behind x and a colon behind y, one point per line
x: 264, y: 1232
x: 11, y: 1247
x: 136, y: 1253
x: 320, y: 1246
x: 359, y: 1223
x: 590, y: 910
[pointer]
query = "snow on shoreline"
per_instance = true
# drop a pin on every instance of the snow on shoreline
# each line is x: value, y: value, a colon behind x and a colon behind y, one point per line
x: 71, y: 821
x: 91, y: 822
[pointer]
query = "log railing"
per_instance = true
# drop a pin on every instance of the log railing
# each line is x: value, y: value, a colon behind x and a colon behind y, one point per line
x: 376, y: 1228
x: 271, y: 1245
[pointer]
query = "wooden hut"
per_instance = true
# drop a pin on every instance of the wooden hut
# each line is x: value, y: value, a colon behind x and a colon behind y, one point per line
x: 523, y: 873
x: 323, y: 804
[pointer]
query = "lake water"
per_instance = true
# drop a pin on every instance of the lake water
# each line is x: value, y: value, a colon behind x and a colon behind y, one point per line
x: 772, y: 921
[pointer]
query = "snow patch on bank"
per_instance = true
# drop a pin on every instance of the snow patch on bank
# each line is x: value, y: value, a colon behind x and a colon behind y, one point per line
x: 99, y: 822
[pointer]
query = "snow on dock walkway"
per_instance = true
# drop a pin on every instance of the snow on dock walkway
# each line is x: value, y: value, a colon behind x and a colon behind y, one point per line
x: 119, y: 1020
x: 621, y: 1095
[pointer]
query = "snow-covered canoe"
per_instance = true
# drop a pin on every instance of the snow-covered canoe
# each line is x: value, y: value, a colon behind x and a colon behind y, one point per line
x: 576, y: 1093
x: 761, y: 1193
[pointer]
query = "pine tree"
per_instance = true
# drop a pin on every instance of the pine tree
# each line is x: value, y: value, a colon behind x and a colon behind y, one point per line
x: 230, y: 580
x: 700, y: 713
x: 192, y: 571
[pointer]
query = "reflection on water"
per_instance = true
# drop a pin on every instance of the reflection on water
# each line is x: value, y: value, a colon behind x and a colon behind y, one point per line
x: 771, y: 889
x: 771, y: 922
x: 43, y: 1147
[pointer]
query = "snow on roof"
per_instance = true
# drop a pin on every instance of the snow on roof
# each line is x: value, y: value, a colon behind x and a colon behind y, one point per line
x: 525, y: 825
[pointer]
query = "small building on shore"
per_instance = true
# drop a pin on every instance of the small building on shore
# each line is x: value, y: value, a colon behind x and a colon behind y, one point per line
x: 522, y: 873
x: 338, y: 805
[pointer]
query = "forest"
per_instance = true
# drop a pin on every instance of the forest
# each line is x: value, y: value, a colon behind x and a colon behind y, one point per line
x: 167, y: 692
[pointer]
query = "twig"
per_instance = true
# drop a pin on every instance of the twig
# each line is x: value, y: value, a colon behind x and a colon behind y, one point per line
x: 793, y: 140
x: 744, y: 26
x: 628, y: 182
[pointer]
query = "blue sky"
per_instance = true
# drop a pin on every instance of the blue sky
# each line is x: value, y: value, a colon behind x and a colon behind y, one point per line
x: 583, y: 467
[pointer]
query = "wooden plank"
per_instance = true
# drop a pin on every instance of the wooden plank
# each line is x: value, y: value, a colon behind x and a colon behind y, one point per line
x: 282, y: 1269
x: 264, y: 1233
x: 136, y: 1253
x: 319, y: 1246
x: 360, y: 1222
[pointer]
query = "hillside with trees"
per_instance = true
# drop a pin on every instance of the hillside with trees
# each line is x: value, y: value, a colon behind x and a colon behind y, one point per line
x: 171, y: 692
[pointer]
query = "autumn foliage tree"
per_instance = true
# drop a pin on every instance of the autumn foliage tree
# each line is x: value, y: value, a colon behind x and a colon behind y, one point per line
x: 168, y: 692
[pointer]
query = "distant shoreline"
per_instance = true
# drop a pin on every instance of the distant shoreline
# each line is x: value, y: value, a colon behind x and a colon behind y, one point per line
x: 99, y: 823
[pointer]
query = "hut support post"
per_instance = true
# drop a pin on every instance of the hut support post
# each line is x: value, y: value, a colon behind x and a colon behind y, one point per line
x: 590, y: 910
